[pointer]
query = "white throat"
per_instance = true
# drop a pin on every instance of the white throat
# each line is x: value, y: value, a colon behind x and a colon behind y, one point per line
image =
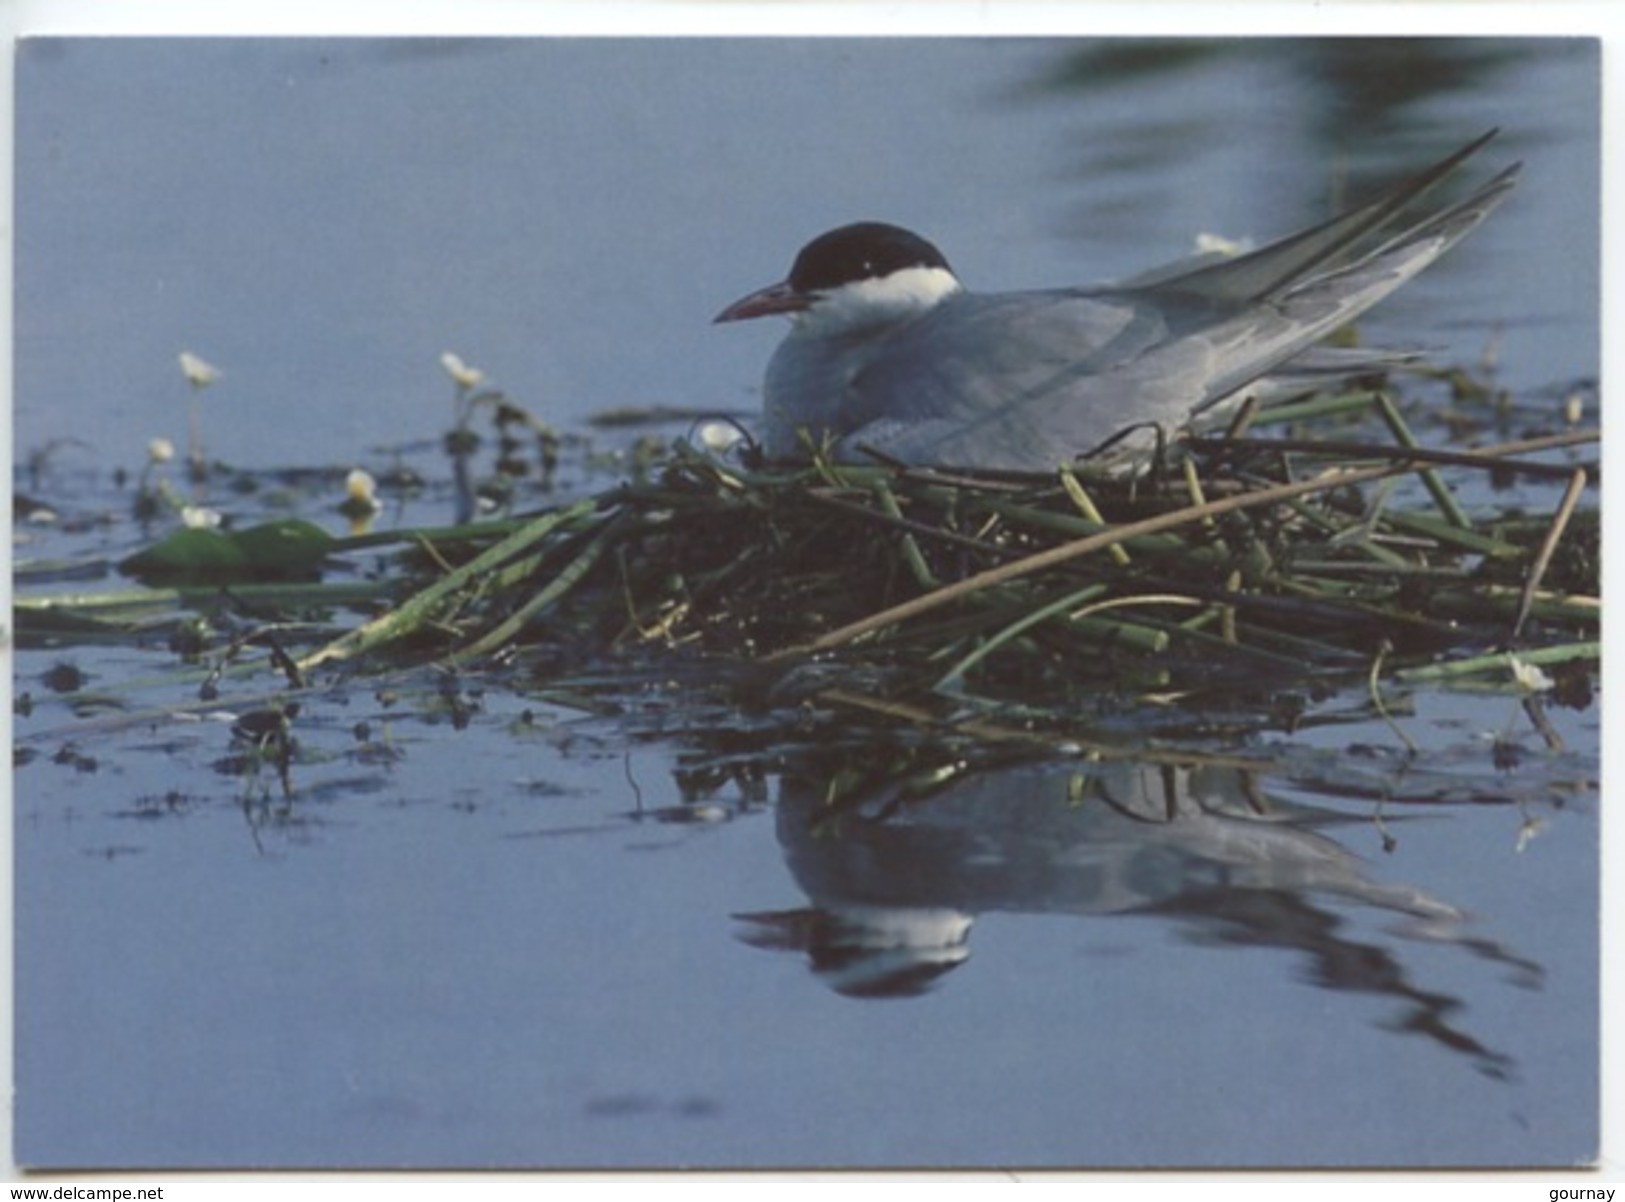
x: 880, y: 301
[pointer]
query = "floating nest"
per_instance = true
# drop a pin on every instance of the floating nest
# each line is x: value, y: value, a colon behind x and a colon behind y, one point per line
x: 1239, y: 563
x: 1241, y: 570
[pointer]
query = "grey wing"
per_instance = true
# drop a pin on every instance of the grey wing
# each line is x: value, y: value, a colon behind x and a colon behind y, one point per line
x: 1031, y: 381
x: 1025, y: 381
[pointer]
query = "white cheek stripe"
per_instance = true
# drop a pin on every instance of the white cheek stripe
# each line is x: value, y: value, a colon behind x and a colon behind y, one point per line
x: 887, y: 298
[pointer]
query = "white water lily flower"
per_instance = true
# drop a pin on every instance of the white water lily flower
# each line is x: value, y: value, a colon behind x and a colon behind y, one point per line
x: 198, y: 517
x: 199, y: 372
x: 464, y: 375
x: 360, y: 488
x: 160, y: 450
x: 1574, y: 408
x: 1529, y: 677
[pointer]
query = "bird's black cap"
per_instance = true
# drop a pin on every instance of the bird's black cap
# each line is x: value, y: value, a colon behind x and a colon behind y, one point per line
x: 862, y: 251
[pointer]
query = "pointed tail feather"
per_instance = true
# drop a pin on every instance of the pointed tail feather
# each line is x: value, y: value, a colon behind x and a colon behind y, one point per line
x: 1271, y: 268
x: 1312, y: 308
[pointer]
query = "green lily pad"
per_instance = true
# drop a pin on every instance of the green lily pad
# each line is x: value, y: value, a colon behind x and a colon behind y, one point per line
x: 273, y: 551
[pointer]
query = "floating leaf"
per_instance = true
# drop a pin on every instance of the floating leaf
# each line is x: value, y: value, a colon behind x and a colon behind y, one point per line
x: 275, y: 550
x: 290, y: 545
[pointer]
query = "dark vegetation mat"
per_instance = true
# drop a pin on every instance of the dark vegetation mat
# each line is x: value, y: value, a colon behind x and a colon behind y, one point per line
x: 1243, y: 568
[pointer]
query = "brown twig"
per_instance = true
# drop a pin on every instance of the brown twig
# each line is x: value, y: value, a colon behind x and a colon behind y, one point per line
x: 1053, y: 556
x: 1497, y: 458
x: 1543, y: 559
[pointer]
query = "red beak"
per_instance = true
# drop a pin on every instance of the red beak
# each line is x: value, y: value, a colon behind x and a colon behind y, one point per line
x: 775, y: 298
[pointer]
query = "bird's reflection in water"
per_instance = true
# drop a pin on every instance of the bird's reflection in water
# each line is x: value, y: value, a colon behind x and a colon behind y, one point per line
x: 896, y: 876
